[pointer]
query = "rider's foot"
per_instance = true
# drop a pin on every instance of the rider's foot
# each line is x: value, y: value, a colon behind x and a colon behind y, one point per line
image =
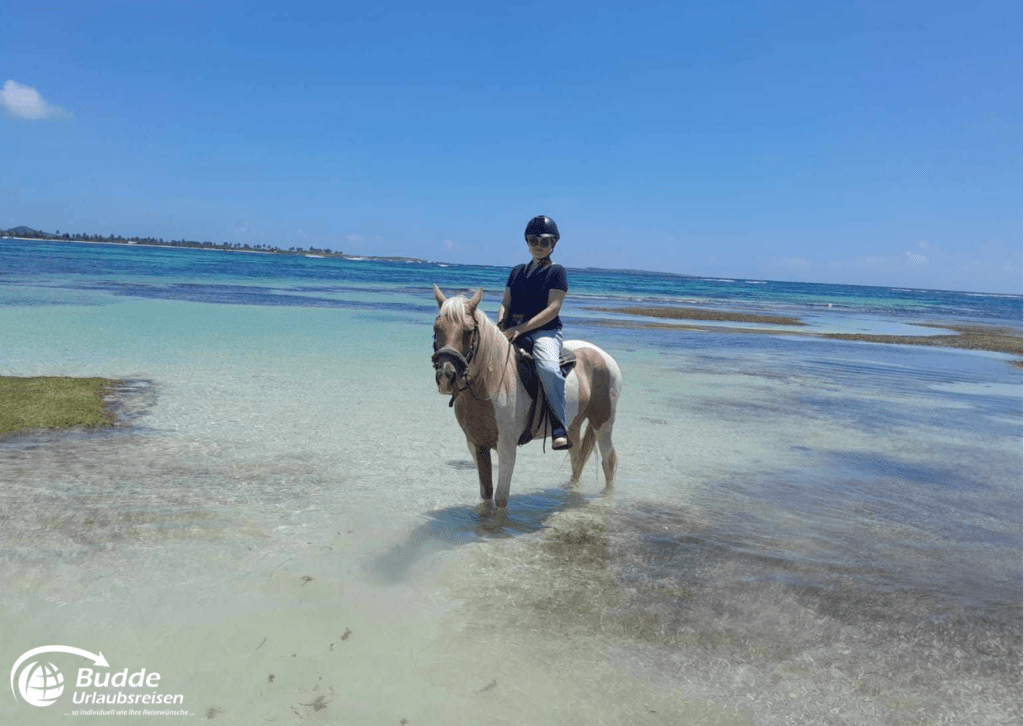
x: 560, y: 443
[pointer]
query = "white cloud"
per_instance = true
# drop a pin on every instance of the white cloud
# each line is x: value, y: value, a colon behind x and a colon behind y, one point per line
x: 917, y: 259
x: 448, y: 244
x: 25, y: 102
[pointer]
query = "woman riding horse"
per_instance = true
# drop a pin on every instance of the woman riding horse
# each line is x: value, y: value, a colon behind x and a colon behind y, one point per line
x: 529, y: 316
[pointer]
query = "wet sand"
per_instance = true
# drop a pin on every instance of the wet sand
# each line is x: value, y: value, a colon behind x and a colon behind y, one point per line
x: 699, y: 314
x: 970, y: 337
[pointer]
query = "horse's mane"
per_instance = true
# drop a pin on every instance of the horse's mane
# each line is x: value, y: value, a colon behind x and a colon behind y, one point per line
x: 494, y: 347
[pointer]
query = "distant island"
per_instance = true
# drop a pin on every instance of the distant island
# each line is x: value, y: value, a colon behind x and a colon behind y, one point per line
x: 23, y: 232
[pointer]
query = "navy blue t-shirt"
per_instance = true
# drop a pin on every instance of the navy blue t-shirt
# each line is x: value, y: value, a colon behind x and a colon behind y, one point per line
x: 530, y: 290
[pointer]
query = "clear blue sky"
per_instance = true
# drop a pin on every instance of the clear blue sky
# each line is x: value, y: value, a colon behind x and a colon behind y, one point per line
x: 865, y: 143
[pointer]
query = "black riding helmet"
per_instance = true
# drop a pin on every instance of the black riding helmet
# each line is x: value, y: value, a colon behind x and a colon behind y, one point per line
x: 541, y: 227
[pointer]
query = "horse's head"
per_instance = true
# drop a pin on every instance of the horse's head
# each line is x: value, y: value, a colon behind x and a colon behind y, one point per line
x: 456, y: 338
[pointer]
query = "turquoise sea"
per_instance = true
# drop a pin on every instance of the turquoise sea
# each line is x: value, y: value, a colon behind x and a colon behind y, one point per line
x: 285, y: 522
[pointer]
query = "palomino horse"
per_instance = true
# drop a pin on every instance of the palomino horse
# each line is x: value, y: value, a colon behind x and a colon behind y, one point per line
x: 476, y: 365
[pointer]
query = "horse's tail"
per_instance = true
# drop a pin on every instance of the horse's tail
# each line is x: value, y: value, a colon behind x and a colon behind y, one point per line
x: 586, y: 448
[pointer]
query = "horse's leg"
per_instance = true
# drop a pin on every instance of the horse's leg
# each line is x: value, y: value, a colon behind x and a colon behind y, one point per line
x: 506, y: 463
x: 482, y: 455
x: 609, y: 459
x: 580, y: 453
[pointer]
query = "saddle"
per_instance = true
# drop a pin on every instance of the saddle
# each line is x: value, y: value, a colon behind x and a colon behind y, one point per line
x: 527, y: 370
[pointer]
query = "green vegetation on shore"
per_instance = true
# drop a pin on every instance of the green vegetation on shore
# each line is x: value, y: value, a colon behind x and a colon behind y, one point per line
x: 34, y: 234
x: 52, y: 402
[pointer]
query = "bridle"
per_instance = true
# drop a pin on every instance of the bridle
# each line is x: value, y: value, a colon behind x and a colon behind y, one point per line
x: 447, y: 354
x: 463, y: 379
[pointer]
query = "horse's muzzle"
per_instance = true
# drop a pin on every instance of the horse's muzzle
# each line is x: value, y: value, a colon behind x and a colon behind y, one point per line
x: 449, y: 366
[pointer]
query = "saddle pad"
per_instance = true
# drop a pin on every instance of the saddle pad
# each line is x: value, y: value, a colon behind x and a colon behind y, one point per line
x: 528, y: 371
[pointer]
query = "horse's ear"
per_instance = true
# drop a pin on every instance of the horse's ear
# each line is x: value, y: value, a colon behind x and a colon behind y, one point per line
x: 475, y: 300
x: 439, y: 296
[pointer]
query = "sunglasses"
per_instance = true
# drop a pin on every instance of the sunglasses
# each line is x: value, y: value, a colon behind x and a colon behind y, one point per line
x: 541, y: 241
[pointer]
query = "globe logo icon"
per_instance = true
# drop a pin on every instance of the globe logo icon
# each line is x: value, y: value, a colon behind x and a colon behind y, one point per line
x: 41, y: 683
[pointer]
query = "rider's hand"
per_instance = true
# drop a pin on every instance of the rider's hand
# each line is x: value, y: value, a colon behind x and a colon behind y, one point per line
x: 513, y: 333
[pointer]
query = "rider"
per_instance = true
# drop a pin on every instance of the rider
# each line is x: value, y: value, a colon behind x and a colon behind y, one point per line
x: 529, y: 312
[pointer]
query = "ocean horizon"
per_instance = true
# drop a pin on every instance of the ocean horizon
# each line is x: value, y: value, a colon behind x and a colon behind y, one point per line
x: 449, y: 263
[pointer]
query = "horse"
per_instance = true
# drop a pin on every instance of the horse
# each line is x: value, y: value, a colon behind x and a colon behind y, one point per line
x: 476, y: 364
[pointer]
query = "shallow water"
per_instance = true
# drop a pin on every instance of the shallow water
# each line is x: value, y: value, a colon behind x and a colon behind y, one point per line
x: 286, y: 524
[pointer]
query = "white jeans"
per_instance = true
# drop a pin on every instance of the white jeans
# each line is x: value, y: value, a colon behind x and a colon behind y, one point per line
x: 547, y: 346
